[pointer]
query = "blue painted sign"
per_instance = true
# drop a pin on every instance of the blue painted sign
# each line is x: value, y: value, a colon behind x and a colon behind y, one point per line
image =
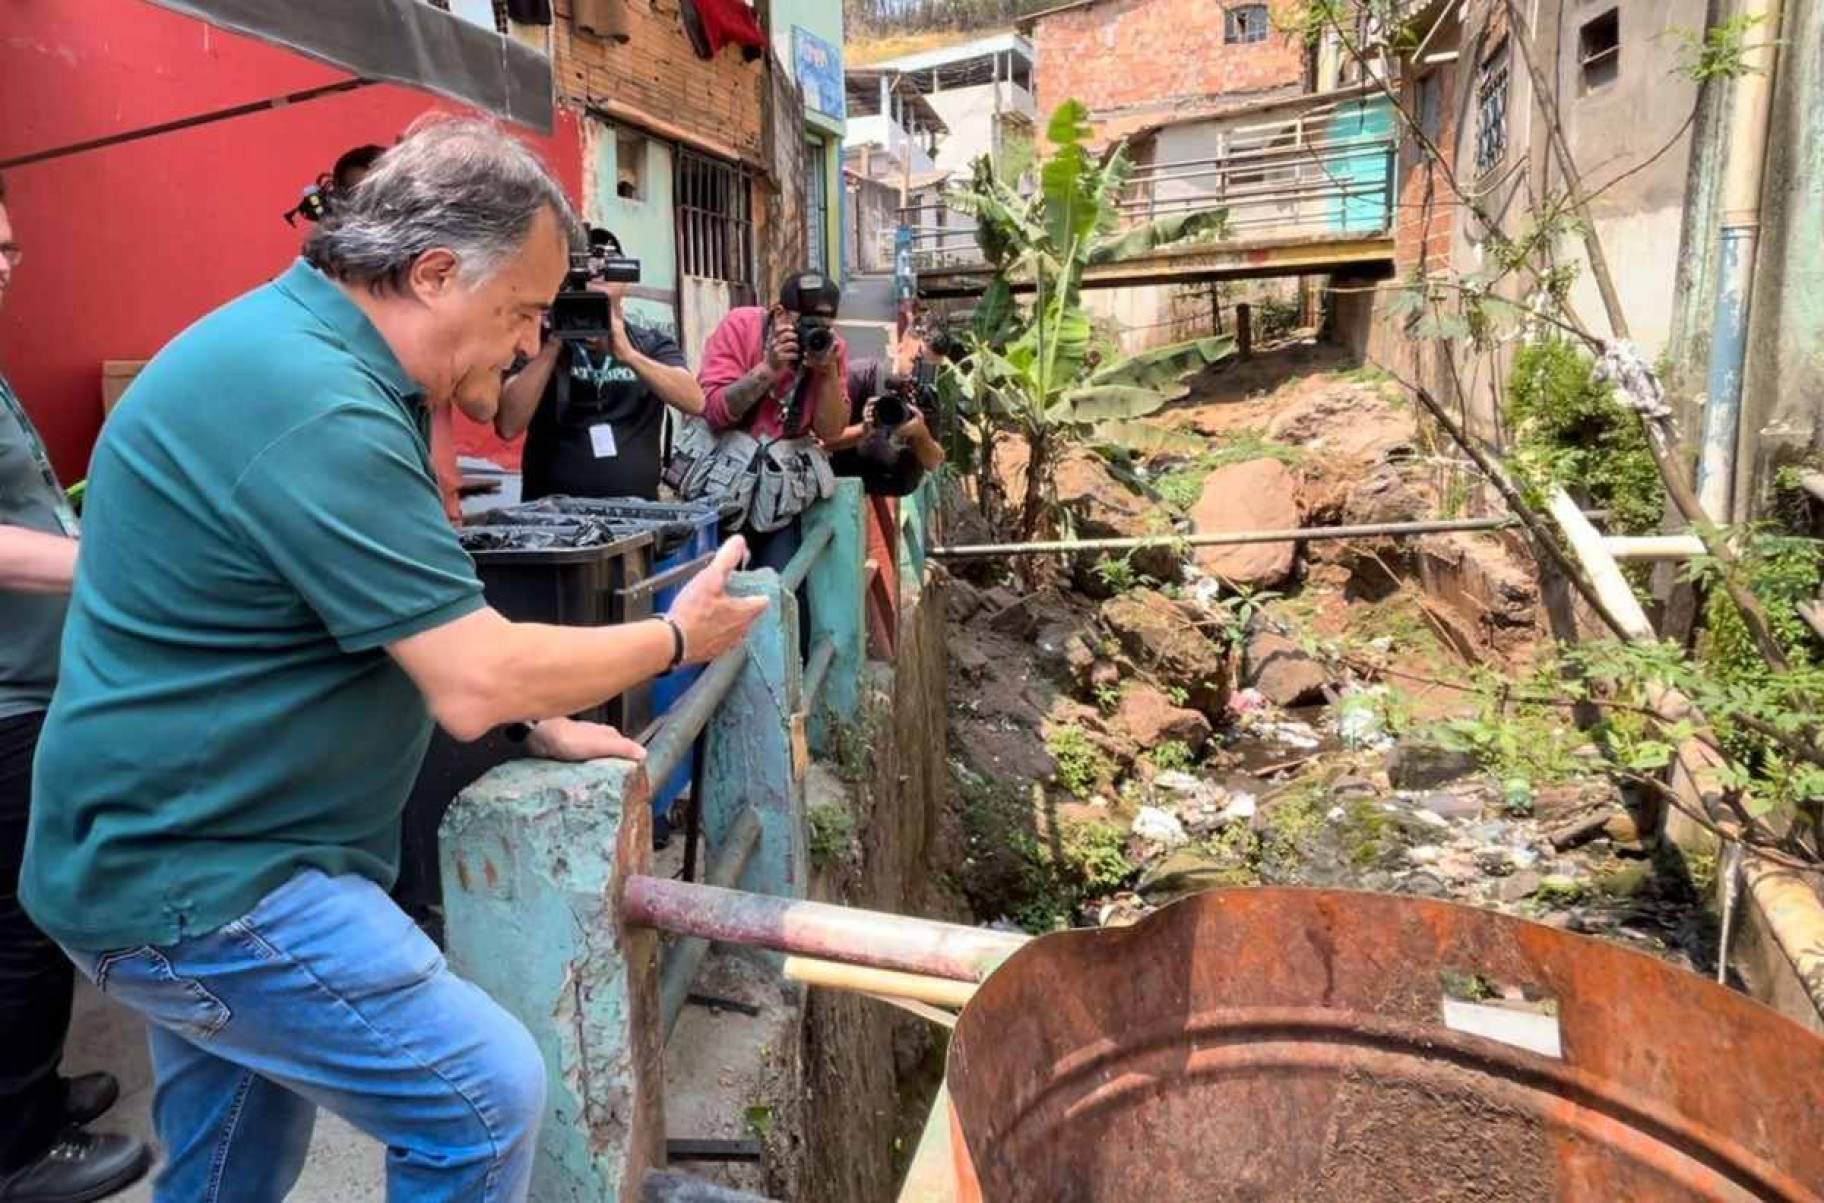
x: 818, y: 67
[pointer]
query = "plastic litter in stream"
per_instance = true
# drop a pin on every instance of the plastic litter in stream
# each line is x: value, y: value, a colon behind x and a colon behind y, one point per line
x: 1358, y: 720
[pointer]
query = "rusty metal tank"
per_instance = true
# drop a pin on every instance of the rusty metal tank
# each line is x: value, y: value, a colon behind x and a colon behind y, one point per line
x: 1310, y: 1046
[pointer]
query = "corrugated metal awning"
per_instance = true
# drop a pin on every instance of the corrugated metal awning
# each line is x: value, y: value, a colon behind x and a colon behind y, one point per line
x: 399, y: 41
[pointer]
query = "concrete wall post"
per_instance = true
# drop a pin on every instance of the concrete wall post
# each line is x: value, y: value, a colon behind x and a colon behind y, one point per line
x: 533, y: 857
x: 837, y: 591
x: 755, y: 750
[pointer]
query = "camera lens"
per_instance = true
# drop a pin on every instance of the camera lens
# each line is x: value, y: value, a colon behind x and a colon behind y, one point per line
x: 889, y: 410
x: 817, y: 339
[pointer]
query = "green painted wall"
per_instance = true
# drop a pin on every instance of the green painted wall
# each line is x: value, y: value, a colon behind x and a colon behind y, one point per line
x: 645, y: 226
x: 1368, y: 171
x: 822, y: 18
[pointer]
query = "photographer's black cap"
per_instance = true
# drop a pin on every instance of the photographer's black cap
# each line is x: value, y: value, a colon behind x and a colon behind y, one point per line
x: 812, y: 294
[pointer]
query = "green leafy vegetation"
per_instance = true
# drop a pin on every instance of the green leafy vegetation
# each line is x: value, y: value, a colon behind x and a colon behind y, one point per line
x: 1181, y: 487
x: 1719, y: 52
x: 1095, y: 857
x: 1117, y: 573
x: 1081, y: 765
x: 832, y: 832
x: 1569, y: 431
x: 1173, y: 755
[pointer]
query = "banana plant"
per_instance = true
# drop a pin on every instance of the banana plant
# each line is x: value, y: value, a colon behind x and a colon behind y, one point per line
x: 1032, y: 369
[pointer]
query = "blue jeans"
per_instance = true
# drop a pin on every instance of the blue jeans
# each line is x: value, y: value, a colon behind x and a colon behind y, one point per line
x: 327, y: 995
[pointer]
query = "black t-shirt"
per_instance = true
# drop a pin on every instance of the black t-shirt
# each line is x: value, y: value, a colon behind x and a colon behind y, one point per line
x: 598, y: 430
x: 895, y: 479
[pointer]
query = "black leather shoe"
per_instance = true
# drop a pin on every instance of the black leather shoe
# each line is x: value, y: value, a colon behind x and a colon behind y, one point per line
x: 81, y: 1167
x: 87, y: 1099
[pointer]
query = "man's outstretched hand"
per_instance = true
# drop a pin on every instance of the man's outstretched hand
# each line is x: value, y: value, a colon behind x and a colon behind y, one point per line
x: 712, y: 621
x: 573, y: 740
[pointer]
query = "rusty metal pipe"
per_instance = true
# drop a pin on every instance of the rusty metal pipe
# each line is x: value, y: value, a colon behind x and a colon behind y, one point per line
x: 823, y: 653
x: 673, y: 735
x: 817, y: 929
x: 1228, y: 538
x: 685, y: 958
x: 816, y: 540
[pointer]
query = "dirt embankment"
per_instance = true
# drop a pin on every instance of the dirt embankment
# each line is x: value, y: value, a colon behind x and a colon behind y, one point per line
x: 1306, y: 713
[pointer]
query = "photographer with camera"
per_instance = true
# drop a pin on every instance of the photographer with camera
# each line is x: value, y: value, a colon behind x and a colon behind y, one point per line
x: 592, y: 402
x: 772, y: 379
x: 888, y: 443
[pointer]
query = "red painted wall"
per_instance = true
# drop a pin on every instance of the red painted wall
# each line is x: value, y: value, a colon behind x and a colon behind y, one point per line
x: 126, y: 246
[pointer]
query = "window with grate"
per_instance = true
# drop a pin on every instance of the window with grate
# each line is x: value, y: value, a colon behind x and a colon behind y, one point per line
x: 816, y: 204
x: 1245, y: 23
x: 1599, y: 52
x: 1491, y: 110
x: 715, y: 204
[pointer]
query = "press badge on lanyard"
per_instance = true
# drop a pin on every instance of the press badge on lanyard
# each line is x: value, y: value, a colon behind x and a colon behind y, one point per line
x: 601, y: 440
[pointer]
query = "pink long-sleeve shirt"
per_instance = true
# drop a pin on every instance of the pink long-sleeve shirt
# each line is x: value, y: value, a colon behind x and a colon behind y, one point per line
x: 737, y: 347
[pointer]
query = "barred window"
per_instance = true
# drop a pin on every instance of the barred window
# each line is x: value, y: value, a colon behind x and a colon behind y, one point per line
x: 715, y: 220
x: 1491, y: 110
x: 1245, y: 23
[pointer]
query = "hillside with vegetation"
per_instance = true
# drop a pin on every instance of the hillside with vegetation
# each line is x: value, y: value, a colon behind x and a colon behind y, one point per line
x: 878, y: 30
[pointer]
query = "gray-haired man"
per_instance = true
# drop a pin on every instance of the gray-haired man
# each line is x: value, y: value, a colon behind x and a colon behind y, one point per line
x: 271, y: 611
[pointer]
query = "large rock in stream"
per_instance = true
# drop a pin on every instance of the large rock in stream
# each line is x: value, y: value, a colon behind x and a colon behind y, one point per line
x: 1164, y: 638
x: 1258, y: 495
x: 1101, y: 506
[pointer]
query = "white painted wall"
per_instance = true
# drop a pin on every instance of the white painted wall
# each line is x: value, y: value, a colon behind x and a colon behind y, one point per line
x: 970, y: 114
x: 887, y: 136
x: 1642, y: 249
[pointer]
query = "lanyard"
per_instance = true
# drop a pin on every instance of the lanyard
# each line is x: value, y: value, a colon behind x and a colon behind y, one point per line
x: 66, y: 516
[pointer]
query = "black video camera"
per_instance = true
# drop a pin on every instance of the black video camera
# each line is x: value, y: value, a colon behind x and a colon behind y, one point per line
x: 579, y: 313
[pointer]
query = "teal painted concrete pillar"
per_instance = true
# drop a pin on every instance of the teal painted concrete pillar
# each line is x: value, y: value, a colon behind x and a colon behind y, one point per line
x: 755, y: 752
x: 533, y: 855
x: 836, y: 588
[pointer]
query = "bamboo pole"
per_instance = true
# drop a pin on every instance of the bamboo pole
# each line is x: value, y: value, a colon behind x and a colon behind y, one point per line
x: 861, y: 979
x: 1654, y: 548
x: 1228, y: 538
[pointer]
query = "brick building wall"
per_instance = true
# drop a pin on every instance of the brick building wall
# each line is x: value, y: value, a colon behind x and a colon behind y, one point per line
x: 656, y: 79
x: 1426, y: 207
x: 1134, y: 60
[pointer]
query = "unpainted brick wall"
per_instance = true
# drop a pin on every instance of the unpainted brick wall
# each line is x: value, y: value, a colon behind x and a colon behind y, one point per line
x: 656, y: 73
x: 1167, y: 55
x: 1427, y: 207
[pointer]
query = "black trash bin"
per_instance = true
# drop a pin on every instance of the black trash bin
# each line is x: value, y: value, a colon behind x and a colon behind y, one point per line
x: 553, y: 573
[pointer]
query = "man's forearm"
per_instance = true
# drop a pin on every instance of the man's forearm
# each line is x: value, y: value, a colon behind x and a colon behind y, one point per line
x: 929, y: 451
x: 482, y: 671
x: 850, y: 436
x: 674, y: 386
x: 741, y: 396
x: 34, y: 562
x: 520, y: 395
x: 832, y: 414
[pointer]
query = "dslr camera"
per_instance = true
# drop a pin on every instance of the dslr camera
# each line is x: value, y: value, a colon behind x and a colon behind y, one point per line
x: 580, y: 314
x: 899, y: 394
x: 814, y: 297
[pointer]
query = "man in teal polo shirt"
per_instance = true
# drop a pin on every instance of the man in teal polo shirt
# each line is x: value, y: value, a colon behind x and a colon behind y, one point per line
x: 271, y: 610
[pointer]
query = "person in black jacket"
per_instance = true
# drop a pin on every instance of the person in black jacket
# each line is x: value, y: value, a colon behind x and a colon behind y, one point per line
x: 890, y: 458
x: 593, y: 413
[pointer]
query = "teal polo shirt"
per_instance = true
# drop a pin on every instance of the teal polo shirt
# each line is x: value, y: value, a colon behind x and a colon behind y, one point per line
x: 262, y: 520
